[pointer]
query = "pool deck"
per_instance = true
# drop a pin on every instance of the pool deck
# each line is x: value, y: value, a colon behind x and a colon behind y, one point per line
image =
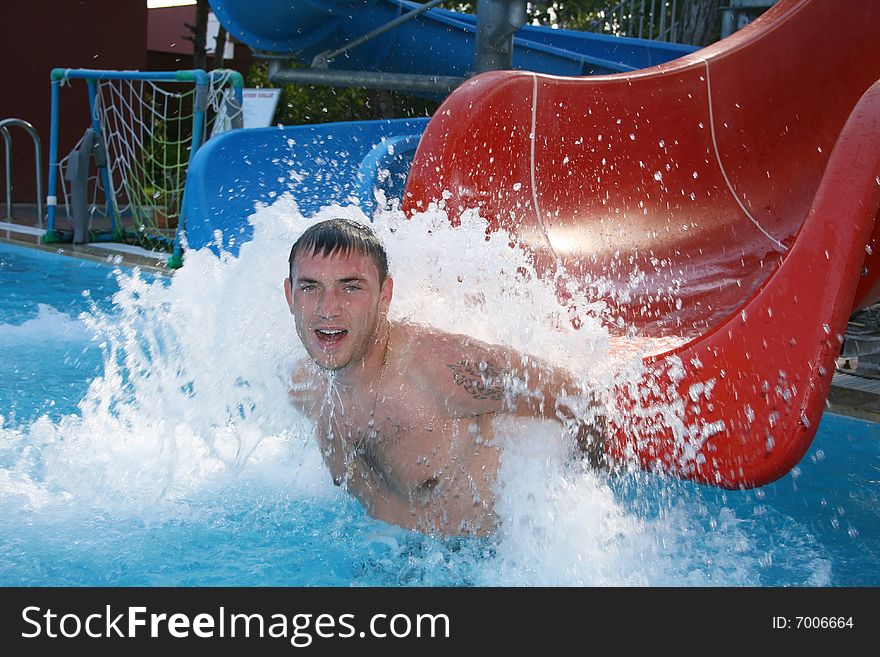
x: 851, y: 394
x: 25, y: 229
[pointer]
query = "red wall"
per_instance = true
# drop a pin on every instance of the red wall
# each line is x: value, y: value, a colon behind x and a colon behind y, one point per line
x: 168, y: 50
x: 36, y: 37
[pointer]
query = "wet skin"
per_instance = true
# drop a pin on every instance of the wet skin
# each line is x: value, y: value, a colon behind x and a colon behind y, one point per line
x: 403, y: 412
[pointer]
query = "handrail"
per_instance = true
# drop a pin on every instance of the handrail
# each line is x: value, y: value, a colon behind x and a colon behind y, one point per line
x: 640, y: 21
x: 38, y: 155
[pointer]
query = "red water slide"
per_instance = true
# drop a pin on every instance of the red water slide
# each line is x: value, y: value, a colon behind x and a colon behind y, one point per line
x: 727, y: 198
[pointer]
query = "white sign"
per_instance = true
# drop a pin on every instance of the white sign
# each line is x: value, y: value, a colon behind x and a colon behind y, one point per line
x: 259, y: 107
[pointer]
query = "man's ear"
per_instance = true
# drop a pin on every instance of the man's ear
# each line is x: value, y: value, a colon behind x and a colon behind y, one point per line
x: 288, y: 293
x: 386, y: 294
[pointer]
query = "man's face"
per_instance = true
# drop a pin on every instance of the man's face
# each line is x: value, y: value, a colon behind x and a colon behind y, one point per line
x: 337, y: 303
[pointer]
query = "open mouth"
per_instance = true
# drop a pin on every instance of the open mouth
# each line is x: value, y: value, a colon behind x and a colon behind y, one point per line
x: 327, y: 336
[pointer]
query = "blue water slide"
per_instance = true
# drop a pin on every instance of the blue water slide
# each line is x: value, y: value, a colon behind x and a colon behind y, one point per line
x: 318, y: 165
x: 357, y: 162
x: 437, y: 42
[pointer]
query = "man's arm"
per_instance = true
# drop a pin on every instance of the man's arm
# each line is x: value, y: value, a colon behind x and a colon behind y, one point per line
x: 477, y: 378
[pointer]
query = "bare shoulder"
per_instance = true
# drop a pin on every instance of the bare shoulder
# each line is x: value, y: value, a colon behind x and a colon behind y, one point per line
x: 470, y: 377
x: 465, y: 374
x: 306, y: 387
x: 443, y: 345
x: 430, y: 350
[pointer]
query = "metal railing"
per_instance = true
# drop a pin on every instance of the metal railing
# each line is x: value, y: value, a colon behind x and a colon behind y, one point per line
x: 644, y: 19
x: 38, y: 156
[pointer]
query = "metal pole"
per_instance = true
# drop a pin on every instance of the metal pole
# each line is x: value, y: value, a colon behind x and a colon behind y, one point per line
x: 497, y: 21
x: 38, y: 157
x: 661, y: 35
x: 367, y: 79
x: 238, y: 99
x: 642, y: 19
x: 674, y: 26
x: 322, y: 59
x: 201, y: 102
x: 8, y: 172
x: 51, y: 195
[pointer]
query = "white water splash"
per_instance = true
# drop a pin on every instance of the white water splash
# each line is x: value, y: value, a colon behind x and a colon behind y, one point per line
x: 49, y: 326
x: 191, y: 412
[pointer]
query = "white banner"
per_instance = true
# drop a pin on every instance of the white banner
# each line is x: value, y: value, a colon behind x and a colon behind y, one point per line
x: 258, y: 109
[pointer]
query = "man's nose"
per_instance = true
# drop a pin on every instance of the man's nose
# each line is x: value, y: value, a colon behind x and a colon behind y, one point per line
x: 328, y: 305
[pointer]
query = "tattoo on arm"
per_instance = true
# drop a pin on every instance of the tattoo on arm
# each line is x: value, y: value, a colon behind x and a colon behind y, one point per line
x: 480, y: 380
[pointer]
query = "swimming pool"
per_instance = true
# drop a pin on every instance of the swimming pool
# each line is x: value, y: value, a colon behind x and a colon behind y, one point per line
x: 146, y: 440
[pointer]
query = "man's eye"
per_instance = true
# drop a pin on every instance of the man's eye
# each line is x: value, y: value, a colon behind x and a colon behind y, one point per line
x: 308, y: 287
x: 352, y: 288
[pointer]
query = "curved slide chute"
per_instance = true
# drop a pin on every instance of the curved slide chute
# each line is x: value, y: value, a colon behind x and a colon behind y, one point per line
x: 727, y: 200
x: 436, y: 42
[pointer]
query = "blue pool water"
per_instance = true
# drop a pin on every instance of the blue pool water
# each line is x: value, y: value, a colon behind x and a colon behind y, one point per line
x: 142, y: 444
x: 45, y: 347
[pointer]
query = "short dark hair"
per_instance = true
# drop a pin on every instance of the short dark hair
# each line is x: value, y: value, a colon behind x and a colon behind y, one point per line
x: 327, y: 238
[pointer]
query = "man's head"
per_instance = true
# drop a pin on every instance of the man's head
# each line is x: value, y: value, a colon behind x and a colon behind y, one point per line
x: 338, y: 291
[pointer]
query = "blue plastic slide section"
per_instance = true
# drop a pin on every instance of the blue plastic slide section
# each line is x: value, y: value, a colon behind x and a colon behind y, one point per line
x: 438, y: 42
x: 616, y: 54
x: 352, y: 162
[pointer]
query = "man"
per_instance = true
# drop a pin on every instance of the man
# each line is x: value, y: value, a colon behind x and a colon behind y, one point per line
x: 404, y: 412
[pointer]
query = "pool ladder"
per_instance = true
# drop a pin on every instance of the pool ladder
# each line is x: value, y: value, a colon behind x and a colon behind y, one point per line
x: 38, y: 155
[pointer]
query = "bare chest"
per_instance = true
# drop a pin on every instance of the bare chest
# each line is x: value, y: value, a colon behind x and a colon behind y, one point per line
x: 404, y: 449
